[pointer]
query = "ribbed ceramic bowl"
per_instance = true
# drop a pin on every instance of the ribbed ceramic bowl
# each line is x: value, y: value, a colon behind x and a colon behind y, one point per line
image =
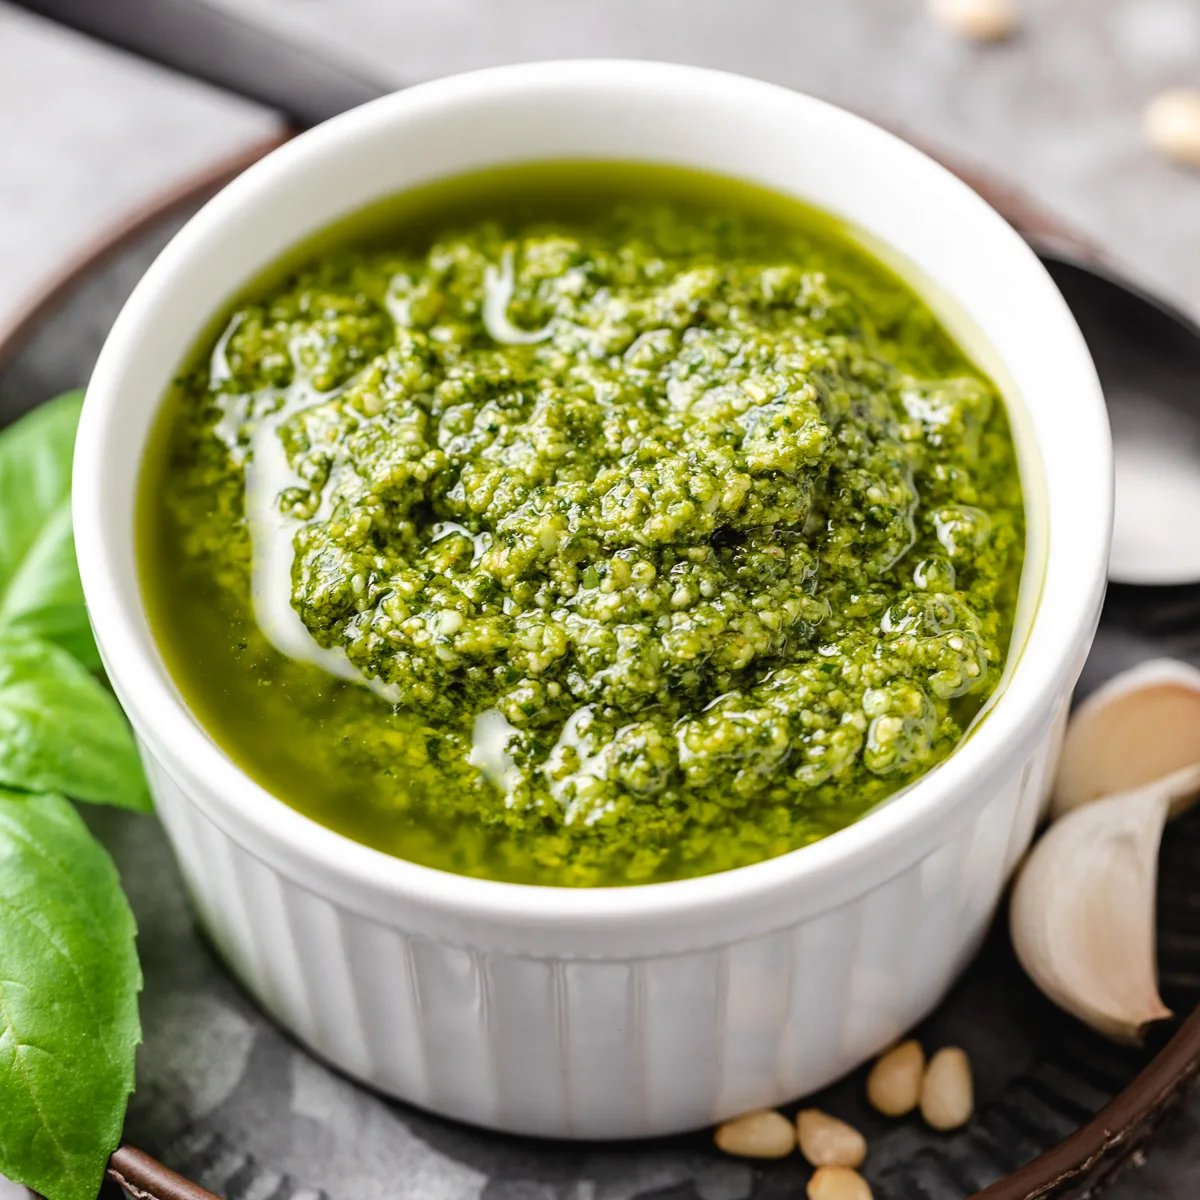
x: 629, y: 1011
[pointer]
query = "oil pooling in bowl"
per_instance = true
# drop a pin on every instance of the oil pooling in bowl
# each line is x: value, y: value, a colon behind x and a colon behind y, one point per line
x: 584, y: 525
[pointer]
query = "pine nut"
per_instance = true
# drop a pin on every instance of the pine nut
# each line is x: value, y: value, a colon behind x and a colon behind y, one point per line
x: 838, y: 1183
x: 763, y: 1134
x: 1172, y: 124
x: 894, y: 1084
x: 979, y: 20
x: 947, y: 1093
x: 827, y: 1142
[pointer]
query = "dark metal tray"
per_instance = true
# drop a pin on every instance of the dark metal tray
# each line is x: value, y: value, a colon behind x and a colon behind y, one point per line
x: 228, y: 1101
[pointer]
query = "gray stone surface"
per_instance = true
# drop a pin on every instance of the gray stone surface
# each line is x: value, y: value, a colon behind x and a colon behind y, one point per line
x: 84, y: 133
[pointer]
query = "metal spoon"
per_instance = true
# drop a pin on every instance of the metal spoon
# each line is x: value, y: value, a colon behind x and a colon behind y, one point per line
x: 1147, y: 352
x: 1148, y: 356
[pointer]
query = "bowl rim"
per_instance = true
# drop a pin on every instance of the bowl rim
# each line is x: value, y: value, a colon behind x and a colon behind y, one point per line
x: 878, y: 845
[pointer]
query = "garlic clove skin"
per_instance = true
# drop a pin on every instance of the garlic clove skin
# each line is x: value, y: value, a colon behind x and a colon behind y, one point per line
x: 1141, y: 726
x: 1082, y: 912
x: 1181, y: 789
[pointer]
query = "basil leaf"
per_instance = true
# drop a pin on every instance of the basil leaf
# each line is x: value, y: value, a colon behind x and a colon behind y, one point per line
x: 69, y: 981
x: 40, y: 592
x: 61, y: 730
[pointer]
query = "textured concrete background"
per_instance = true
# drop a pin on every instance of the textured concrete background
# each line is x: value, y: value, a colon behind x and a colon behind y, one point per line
x: 85, y: 133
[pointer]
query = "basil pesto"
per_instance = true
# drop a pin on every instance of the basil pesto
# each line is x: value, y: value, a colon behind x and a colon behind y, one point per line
x: 640, y: 530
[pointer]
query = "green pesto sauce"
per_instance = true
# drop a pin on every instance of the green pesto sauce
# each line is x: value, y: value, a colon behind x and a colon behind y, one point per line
x: 671, y: 530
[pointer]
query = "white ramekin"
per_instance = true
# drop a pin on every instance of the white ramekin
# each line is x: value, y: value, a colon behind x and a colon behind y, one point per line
x: 629, y: 1011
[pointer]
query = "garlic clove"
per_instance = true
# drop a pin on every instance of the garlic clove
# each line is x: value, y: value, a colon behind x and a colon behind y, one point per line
x: 1082, y: 912
x: 1141, y: 726
x: 1181, y: 789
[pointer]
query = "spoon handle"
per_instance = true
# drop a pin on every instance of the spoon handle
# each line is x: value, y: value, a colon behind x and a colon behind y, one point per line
x: 208, y: 42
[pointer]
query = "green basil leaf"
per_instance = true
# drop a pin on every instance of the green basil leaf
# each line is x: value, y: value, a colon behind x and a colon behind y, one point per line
x: 45, y: 598
x: 69, y: 982
x: 61, y: 730
x: 40, y: 592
